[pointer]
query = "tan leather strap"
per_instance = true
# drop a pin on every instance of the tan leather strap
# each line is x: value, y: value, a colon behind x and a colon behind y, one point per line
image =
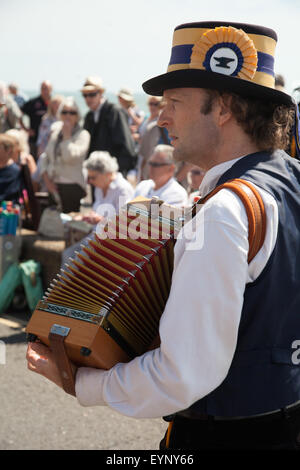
x: 254, y: 208
x: 57, y: 337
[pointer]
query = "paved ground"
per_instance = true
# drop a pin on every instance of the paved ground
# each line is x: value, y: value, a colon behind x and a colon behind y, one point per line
x: 35, y: 414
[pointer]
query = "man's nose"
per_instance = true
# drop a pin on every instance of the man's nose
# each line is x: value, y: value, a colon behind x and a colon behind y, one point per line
x: 163, y: 119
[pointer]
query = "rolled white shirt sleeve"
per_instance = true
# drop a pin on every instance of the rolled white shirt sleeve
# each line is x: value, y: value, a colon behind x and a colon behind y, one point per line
x: 198, y: 328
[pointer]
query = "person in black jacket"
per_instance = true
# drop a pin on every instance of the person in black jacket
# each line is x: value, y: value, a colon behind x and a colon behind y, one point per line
x: 107, y: 125
x: 35, y: 109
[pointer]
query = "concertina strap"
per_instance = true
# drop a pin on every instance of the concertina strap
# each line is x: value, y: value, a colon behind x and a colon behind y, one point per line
x: 255, y: 210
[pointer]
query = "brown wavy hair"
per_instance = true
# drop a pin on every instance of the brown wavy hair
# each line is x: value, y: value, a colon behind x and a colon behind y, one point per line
x: 268, y: 123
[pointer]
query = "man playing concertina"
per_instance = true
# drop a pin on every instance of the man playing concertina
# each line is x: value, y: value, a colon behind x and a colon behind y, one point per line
x: 226, y: 375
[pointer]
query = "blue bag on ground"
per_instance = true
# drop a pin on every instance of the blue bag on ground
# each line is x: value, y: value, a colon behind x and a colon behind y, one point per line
x: 32, y: 282
x: 10, y: 281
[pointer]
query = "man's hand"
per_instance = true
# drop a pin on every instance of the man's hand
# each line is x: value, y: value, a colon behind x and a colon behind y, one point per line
x: 40, y: 359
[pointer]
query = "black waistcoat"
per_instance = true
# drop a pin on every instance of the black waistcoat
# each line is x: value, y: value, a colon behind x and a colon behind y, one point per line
x: 265, y: 371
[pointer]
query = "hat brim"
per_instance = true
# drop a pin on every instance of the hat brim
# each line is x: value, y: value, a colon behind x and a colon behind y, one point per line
x: 128, y: 98
x: 194, y: 78
x: 91, y: 88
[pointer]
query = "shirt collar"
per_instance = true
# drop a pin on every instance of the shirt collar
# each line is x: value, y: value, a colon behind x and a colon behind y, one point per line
x: 97, y: 111
x: 168, y: 183
x: 212, y: 176
x: 115, y: 181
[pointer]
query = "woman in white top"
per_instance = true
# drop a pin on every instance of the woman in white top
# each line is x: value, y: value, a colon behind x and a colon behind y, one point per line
x: 112, y: 190
x: 62, y: 162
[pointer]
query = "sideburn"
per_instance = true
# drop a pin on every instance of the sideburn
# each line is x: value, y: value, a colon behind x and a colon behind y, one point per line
x: 210, y: 97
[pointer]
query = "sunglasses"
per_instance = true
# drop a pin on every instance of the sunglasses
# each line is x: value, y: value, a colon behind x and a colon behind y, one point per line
x: 157, y: 164
x: 90, y: 95
x: 72, y: 113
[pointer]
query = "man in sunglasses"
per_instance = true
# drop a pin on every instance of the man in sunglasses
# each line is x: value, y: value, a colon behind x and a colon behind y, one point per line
x: 161, y: 169
x: 107, y: 125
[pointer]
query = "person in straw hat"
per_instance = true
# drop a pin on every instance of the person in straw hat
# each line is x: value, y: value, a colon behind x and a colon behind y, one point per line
x: 227, y: 372
x: 134, y: 115
x: 107, y: 125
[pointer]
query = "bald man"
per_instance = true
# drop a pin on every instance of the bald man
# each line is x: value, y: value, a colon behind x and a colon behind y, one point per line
x: 35, y: 108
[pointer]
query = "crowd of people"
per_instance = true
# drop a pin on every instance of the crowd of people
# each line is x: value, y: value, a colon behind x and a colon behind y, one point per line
x: 114, y: 151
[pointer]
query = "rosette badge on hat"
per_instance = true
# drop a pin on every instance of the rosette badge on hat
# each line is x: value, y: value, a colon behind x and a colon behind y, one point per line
x: 225, y: 50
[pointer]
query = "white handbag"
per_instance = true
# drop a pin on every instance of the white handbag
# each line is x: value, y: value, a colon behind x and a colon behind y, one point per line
x: 51, y: 224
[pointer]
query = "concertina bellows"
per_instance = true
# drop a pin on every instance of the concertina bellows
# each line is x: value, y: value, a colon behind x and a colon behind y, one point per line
x: 107, y: 301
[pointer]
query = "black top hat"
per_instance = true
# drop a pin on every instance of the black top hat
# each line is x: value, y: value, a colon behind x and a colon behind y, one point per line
x: 225, y: 56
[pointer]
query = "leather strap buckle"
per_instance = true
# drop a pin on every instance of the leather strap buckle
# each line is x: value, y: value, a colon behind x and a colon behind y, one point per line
x: 57, y: 338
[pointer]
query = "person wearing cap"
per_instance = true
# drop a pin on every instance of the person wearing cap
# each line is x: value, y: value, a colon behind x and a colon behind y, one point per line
x: 134, y: 116
x: 107, y: 125
x: 227, y: 372
x: 150, y: 135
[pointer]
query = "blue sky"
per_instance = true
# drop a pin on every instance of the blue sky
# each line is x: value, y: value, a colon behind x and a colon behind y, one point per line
x: 125, y: 42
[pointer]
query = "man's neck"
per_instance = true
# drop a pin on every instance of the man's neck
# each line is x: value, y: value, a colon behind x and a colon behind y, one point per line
x: 234, y: 144
x: 160, y: 183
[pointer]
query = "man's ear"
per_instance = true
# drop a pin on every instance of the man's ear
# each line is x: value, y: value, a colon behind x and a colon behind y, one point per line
x: 225, y: 113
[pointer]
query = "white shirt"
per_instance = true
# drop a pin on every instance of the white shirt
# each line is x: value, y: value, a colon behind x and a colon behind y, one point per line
x: 119, y: 192
x: 171, y: 192
x: 96, y: 113
x: 199, y: 326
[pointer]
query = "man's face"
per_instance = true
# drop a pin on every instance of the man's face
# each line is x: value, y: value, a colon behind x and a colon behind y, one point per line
x: 92, y: 99
x: 193, y: 133
x: 99, y: 180
x: 160, y: 168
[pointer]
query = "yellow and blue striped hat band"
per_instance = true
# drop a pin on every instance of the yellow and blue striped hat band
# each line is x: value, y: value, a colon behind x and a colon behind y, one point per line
x: 235, y: 57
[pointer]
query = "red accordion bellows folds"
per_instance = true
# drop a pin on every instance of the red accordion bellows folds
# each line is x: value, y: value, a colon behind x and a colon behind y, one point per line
x: 111, y: 296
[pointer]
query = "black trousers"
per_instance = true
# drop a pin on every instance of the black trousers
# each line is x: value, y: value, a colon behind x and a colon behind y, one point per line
x: 278, y: 432
x: 70, y: 195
